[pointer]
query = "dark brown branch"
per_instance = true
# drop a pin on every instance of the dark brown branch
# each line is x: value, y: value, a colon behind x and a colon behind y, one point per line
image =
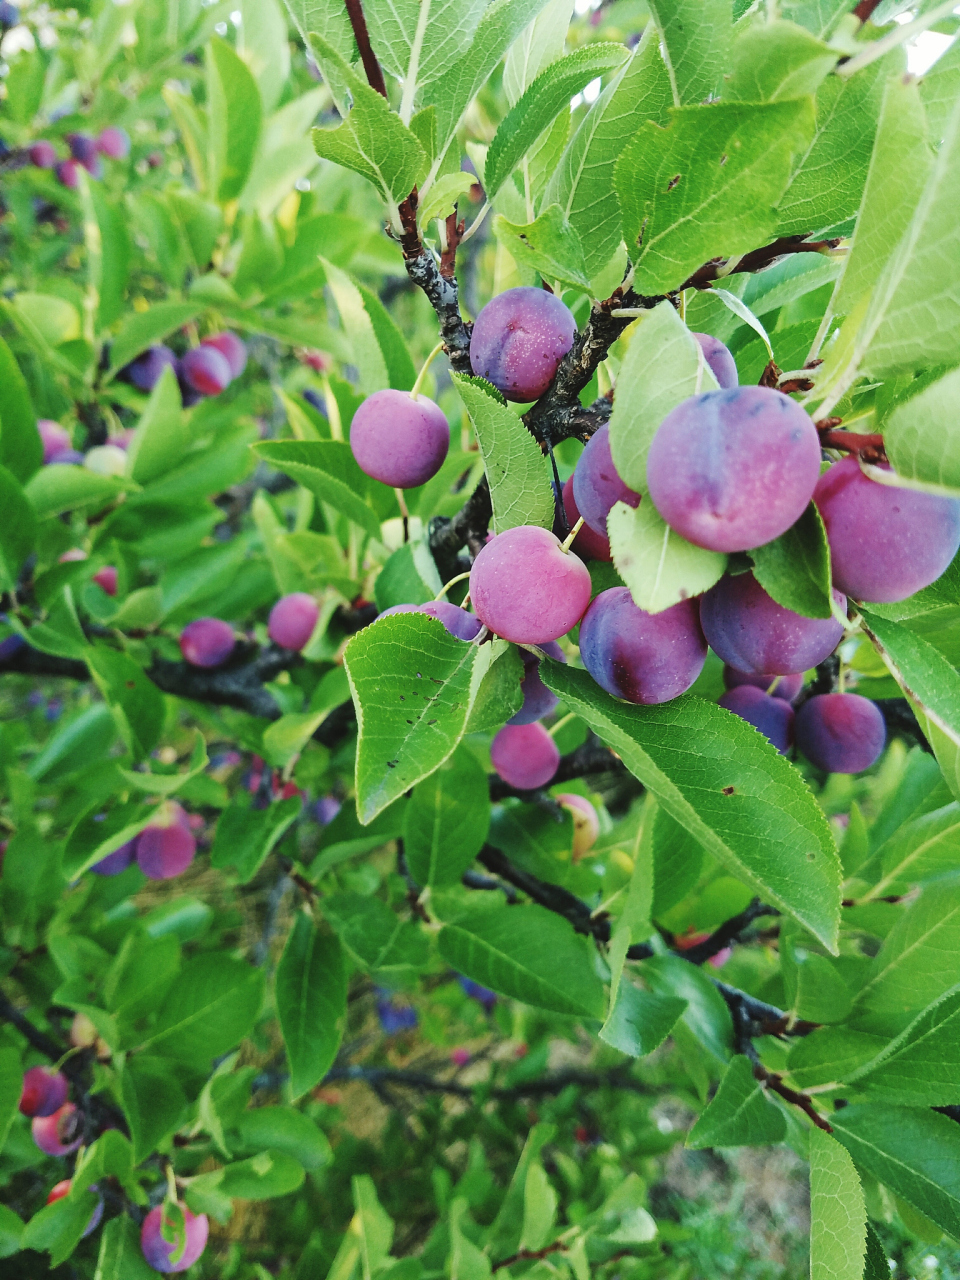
x: 774, y: 1082
x: 728, y: 932
x: 443, y: 295
x: 545, y: 1087
x: 869, y: 447
x: 756, y: 260
x: 467, y: 528
x: 591, y: 757
x: 371, y: 66
x: 552, y: 896
x: 530, y: 1255
x: 864, y: 10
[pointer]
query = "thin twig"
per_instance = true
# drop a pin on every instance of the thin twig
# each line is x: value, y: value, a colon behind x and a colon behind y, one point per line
x: 530, y: 1255
x: 371, y: 66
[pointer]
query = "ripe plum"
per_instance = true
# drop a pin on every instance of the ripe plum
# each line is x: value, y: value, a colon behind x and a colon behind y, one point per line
x: 526, y: 588
x: 750, y: 631
x: 642, y: 657
x: 841, y: 732
x: 772, y: 716
x: 397, y: 440
x: 587, y: 544
x: 292, y: 620
x: 524, y: 755
x: 597, y: 484
x: 207, y: 642
x: 538, y: 700
x: 519, y: 339
x: 159, y: 1252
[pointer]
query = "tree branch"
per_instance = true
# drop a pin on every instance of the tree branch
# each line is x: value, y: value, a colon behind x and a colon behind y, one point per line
x: 467, y: 528
x: 546, y: 1086
x: 728, y: 932
x: 371, y: 66
x: 590, y: 757
x: 530, y: 1255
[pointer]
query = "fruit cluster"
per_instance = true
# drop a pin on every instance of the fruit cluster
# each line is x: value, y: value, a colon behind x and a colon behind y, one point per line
x: 85, y: 153
x: 204, y: 370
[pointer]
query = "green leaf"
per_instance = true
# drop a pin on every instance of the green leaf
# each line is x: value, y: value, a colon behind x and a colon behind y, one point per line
x: 708, y: 185
x: 528, y: 954
x: 664, y: 365
x: 740, y: 1115
x: 922, y: 438
x: 18, y: 529
x: 59, y: 488
x: 372, y: 140
x: 359, y: 327
x: 539, y: 1208
x: 165, y: 784
x: 330, y: 21
x: 918, y: 959
x: 441, y: 199
x: 582, y: 183
x: 520, y: 488
x: 924, y: 848
x: 546, y: 97
x: 706, y: 1017
x: 142, y: 329
x: 11, y: 1232
x: 285, y: 738
x: 409, y: 577
x: 923, y: 672
x: 830, y: 1054
x: 548, y: 245
x: 263, y: 44
x: 414, y: 686
x: 161, y: 438
x: 838, y: 1214
x: 938, y: 91
x: 921, y: 1066
x: 372, y: 1225
x: 500, y: 695
x: 795, y: 568
x: 21, y: 451
x: 773, y: 61
x: 819, y: 16
x: 311, y: 998
x: 121, y: 1257
x: 57, y: 1227
x: 446, y: 821
x: 94, y: 837
x: 284, y: 1129
x: 417, y: 45
x: 262, y: 1177
x: 658, y: 566
x: 731, y: 790
x: 374, y: 935
x: 153, y: 1102
x: 211, y: 1007
x: 234, y: 111
x: 136, y: 702
x: 246, y: 836
x: 11, y: 1084
x: 328, y: 469
x: 913, y: 1151
x: 696, y: 40
x: 399, y: 366
x: 640, y: 1021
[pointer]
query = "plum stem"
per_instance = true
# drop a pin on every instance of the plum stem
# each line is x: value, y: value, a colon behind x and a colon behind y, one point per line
x: 564, y: 720
x: 447, y: 585
x: 404, y: 512
x: 568, y: 541
x: 415, y: 389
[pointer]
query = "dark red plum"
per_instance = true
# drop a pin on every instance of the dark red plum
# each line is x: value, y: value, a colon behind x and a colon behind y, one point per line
x: 206, y: 370
x: 106, y: 579
x: 114, y: 864
x: 885, y: 542
x: 56, y: 439
x: 731, y: 470
x: 44, y: 1091
x: 159, y: 1253
x: 63, y: 1189
x: 524, y: 755
x: 60, y: 1133
x: 841, y: 732
x: 461, y: 624
x: 207, y: 642
x: 538, y: 700
x: 43, y: 154
x: 144, y: 372
x: 165, y: 852
x: 114, y: 143
x: 587, y: 544
x: 597, y: 484
x: 292, y: 620
x: 721, y: 362
x: 748, y: 629
x: 399, y: 441
x: 519, y: 339
x: 772, y: 716
x: 232, y: 348
x: 526, y: 588
x: 785, y: 687
x: 642, y: 657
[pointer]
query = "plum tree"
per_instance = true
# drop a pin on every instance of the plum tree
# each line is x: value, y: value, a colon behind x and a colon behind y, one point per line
x: 144, y: 372
x: 292, y: 620
x: 460, y: 623
x: 62, y: 1189
x: 721, y: 362
x: 54, y: 437
x: 524, y: 755
x: 519, y: 339
x: 840, y: 732
x: 642, y: 657
x: 59, y: 1133
x: 538, y: 700
x: 165, y: 851
x: 772, y: 716
x: 114, y: 142
x: 587, y: 544
x: 232, y: 348
x: 398, y: 440
x: 785, y: 687
x: 586, y: 824
x: 731, y: 470
x: 526, y: 588
x: 206, y: 370
x: 748, y: 629
x: 44, y: 1091
x: 184, y: 1245
x: 117, y: 862
x: 886, y: 542
x: 106, y: 579
x: 597, y: 484
x: 207, y: 642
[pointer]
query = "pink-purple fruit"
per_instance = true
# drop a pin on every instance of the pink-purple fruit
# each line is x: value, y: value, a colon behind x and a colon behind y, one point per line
x: 232, y: 348
x: 44, y: 1091
x: 840, y: 732
x: 160, y: 1253
x: 748, y: 629
x: 114, y: 864
x: 55, y: 438
x: 106, y: 579
x: 144, y: 372
x: 597, y: 484
x: 785, y: 687
x: 43, y: 154
x: 165, y: 851
x: 206, y: 370
x: 643, y: 657
x: 114, y: 142
x: 60, y: 1133
x: 538, y: 700
x: 526, y: 588
x: 460, y: 624
x: 772, y: 716
x: 721, y: 362
x: 399, y: 441
x: 207, y: 642
x: 587, y: 544
x: 524, y: 755
x: 292, y: 620
x: 519, y: 339
x: 68, y: 174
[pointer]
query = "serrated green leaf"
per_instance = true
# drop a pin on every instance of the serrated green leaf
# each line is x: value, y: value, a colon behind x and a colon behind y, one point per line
x: 923, y: 848
x: 136, y: 702
x: 446, y: 821
x: 11, y: 1084
x: 922, y: 437
x: 18, y: 529
x: 311, y: 997
x: 773, y: 61
x: 640, y: 1021
x: 768, y: 830
x: 658, y: 566
x: 234, y: 112
x: 58, y: 488
x: 939, y: 89
x: 283, y: 1129
x: 153, y: 1102
x: 548, y: 245
x: 328, y: 469
x: 141, y: 329
x: 922, y: 670
x: 830, y: 1054
x: 21, y: 451
x: 165, y: 784
x: 500, y: 695
x: 921, y: 1066
x: 121, y: 1257
x: 208, y: 1011
x: 373, y: 935
x: 838, y: 1213
x: 57, y: 1227
x: 420, y: 43
x: 358, y: 324
x: 696, y: 38
x: 706, y: 1018
x: 795, y: 568
x: 520, y: 488
x: 740, y: 1115
x: 245, y: 836
x: 918, y: 959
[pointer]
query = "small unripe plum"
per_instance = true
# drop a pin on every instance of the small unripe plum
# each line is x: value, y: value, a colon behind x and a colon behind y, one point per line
x: 106, y: 460
x: 731, y: 470
x: 207, y: 642
x: 587, y: 544
x: 460, y: 1056
x: 526, y: 588
x: 159, y: 1252
x: 60, y: 1133
x: 597, y: 484
x: 885, y: 542
x: 74, y: 554
x: 749, y: 630
x: 114, y: 142
x: 232, y: 348
x: 841, y: 732
x: 397, y: 440
x: 643, y: 657
x: 785, y: 687
x: 117, y: 862
x: 586, y: 824
x: 144, y: 372
x: 538, y: 700
x: 206, y: 370
x: 292, y: 620
x: 721, y: 362
x: 524, y: 755
x: 772, y: 716
x: 519, y: 339
x: 165, y: 852
x: 63, y: 1189
x: 106, y: 578
x: 55, y: 438
x: 68, y: 174
x: 460, y: 623
x: 44, y: 1091
x: 43, y: 154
